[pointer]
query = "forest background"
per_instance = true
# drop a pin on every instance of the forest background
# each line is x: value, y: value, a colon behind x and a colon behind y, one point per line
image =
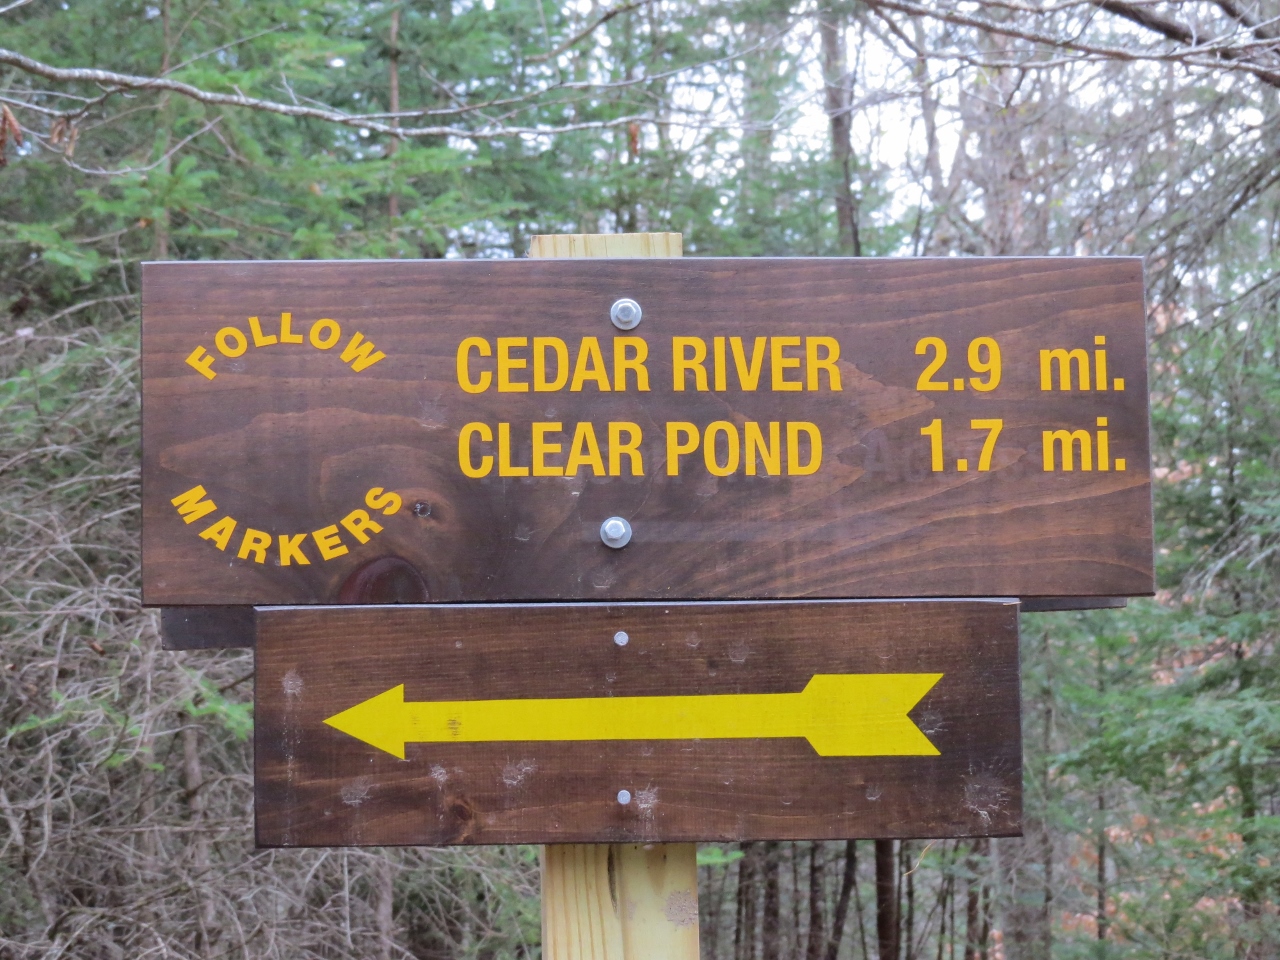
x: 217, y: 129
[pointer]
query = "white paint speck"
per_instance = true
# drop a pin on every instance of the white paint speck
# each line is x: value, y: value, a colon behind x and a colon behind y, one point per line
x: 646, y: 800
x: 357, y: 791
x: 514, y: 774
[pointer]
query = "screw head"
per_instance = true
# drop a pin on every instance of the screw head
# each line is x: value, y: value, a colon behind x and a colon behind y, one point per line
x: 615, y: 532
x: 624, y: 797
x: 625, y: 314
x: 621, y: 638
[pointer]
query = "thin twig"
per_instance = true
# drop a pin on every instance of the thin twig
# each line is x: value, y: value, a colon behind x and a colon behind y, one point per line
x: 128, y: 170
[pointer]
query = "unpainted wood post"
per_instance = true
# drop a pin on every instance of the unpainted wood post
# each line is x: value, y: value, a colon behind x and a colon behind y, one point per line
x: 618, y: 245
x: 622, y: 901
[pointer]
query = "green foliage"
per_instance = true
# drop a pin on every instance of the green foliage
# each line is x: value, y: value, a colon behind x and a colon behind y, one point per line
x: 236, y: 718
x: 710, y: 855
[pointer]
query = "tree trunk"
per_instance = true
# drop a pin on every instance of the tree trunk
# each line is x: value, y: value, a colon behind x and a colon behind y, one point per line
x: 1101, y: 916
x: 744, y: 935
x: 817, y: 924
x: 1046, y: 834
x: 393, y: 202
x: 1257, y: 942
x: 862, y: 922
x: 384, y: 903
x: 977, y: 903
x: 887, y: 912
x: 946, y: 915
x: 847, y: 883
x: 769, y: 935
x: 160, y: 246
x: 796, y: 924
x: 837, y: 84
x: 905, y: 871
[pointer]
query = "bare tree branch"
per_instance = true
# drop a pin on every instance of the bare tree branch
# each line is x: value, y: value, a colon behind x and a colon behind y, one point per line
x: 124, y: 81
x: 1241, y: 15
x: 1231, y: 56
x: 1146, y: 17
x: 588, y: 30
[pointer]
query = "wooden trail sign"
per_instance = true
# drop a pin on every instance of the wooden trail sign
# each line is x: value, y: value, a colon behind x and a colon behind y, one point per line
x: 636, y: 722
x: 769, y: 428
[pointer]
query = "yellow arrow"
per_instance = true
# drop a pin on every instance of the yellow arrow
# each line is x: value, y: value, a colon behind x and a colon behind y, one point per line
x: 841, y: 715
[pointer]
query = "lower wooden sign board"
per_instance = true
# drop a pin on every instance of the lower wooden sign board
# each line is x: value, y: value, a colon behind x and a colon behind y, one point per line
x: 648, y: 722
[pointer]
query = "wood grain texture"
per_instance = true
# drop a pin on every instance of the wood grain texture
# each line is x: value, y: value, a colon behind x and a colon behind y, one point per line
x: 621, y: 901
x: 581, y: 919
x: 613, y: 245
x: 316, y: 786
x: 288, y: 438
x: 658, y: 900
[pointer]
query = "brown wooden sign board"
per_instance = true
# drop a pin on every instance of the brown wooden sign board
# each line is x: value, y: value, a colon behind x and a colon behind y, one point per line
x: 810, y: 428
x: 678, y: 717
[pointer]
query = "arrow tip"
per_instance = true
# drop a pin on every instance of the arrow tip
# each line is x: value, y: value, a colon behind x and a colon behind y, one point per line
x: 378, y: 721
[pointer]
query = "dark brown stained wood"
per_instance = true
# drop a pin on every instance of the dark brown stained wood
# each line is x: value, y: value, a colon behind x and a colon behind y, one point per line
x: 206, y: 628
x: 198, y: 628
x: 384, y: 580
x: 1062, y: 604
x: 317, y: 786
x: 288, y: 439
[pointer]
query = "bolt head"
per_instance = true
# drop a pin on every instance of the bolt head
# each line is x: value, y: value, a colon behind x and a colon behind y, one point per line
x: 615, y: 532
x: 624, y: 797
x: 621, y: 638
x: 625, y: 314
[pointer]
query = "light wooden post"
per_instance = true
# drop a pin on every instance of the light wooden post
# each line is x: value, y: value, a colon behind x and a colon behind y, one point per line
x: 619, y: 245
x: 623, y: 901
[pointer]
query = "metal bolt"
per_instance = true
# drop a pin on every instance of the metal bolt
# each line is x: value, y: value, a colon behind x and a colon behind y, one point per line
x: 615, y: 532
x: 621, y: 638
x: 624, y: 797
x: 625, y: 314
